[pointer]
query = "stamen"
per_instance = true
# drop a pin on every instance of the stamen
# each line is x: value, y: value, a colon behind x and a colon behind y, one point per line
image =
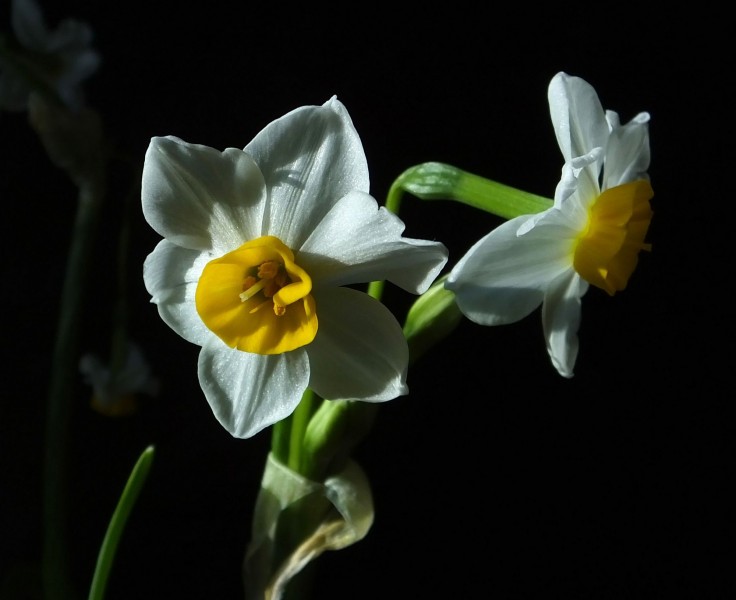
x: 270, y: 288
x: 248, y: 282
x: 270, y: 278
x: 268, y: 269
x: 252, y: 290
x: 252, y: 311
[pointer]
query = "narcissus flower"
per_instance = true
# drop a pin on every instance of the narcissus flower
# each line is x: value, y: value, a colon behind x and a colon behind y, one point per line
x: 116, y: 391
x: 592, y: 235
x: 260, y: 247
x: 54, y: 62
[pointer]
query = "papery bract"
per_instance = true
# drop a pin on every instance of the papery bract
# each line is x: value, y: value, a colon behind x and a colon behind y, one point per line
x: 333, y: 514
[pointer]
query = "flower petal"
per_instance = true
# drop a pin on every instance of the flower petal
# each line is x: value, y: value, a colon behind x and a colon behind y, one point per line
x: 69, y: 38
x: 113, y: 389
x: 248, y: 392
x: 360, y: 352
x: 502, y: 278
x: 577, y: 116
x: 170, y: 274
x: 310, y: 157
x: 28, y: 25
x: 579, y: 180
x: 201, y: 198
x: 561, y: 320
x: 366, y: 239
x: 628, y: 155
x: 80, y: 65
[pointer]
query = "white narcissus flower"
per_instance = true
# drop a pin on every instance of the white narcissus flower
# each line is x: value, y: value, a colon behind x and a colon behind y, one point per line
x: 60, y: 59
x: 260, y: 247
x: 115, y: 393
x: 592, y: 235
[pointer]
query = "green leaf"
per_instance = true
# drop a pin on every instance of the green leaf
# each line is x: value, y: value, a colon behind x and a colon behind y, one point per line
x: 117, y: 523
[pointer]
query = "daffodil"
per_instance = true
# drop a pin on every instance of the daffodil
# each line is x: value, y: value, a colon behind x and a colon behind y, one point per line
x: 261, y: 250
x: 116, y: 390
x: 51, y: 62
x: 592, y: 235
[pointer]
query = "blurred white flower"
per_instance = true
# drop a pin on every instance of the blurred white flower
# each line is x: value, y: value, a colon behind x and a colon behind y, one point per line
x: 115, y: 393
x: 54, y: 62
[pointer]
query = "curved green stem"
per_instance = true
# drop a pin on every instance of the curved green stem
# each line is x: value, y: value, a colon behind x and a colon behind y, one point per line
x: 440, y: 181
x: 299, y: 421
x: 280, y: 436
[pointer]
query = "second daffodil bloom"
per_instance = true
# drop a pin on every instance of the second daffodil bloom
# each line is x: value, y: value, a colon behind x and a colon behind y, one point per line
x: 58, y: 59
x: 259, y: 247
x: 592, y: 235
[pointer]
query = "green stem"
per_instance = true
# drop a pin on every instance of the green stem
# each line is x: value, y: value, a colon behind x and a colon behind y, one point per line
x: 280, y: 436
x: 117, y: 523
x: 395, y: 193
x: 334, y: 432
x: 439, y: 181
x: 326, y: 428
x: 299, y: 421
x: 375, y: 289
x: 56, y: 555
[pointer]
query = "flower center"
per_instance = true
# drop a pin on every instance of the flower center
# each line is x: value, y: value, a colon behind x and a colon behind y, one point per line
x: 607, y: 251
x: 257, y: 299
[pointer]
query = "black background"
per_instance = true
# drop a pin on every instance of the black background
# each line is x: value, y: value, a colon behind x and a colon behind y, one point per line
x: 494, y: 477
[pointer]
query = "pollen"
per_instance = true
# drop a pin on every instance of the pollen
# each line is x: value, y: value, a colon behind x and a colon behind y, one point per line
x: 607, y: 251
x: 271, y: 277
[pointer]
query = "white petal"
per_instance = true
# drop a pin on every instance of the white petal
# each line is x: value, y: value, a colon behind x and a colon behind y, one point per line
x: 628, y: 155
x: 201, y: 198
x: 311, y: 157
x: 502, y: 278
x: 614, y: 122
x: 137, y: 375
x: 561, y: 320
x: 357, y: 242
x: 94, y: 371
x: 70, y: 37
x: 360, y: 352
x: 80, y: 67
x: 579, y: 184
x: 248, y: 392
x: 28, y: 25
x: 577, y: 116
x: 170, y: 274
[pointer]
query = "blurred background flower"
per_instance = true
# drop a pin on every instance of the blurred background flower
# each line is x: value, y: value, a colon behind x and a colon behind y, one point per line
x: 56, y: 60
